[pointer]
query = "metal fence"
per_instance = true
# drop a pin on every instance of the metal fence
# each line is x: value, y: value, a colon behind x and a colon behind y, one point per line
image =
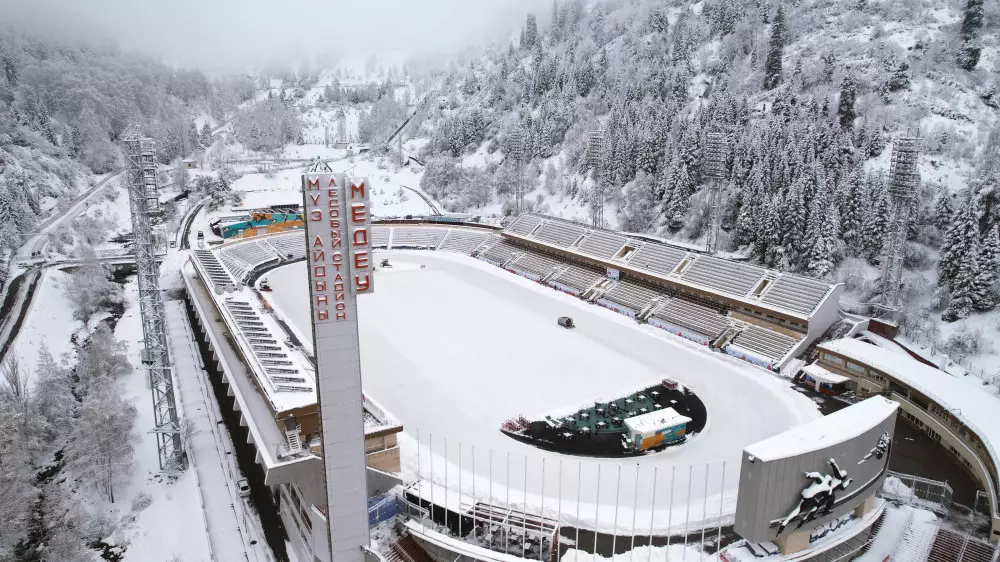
x: 921, y: 492
x: 382, y: 508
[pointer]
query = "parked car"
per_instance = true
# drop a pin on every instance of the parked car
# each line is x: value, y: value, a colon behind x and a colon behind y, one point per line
x: 243, y: 485
x: 385, y: 263
x: 566, y: 322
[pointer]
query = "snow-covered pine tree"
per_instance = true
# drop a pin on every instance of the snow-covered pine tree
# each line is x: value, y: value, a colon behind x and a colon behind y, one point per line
x: 959, y: 240
x: 852, y: 211
x: 638, y: 211
x: 963, y: 288
x: 987, y: 284
x: 775, y: 50
x: 876, y: 221
x: 944, y: 210
x: 54, y: 400
x: 206, y: 135
x: 845, y: 107
x: 972, y: 21
x: 793, y: 226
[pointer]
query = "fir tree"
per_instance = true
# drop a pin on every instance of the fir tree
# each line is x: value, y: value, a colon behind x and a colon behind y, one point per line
x: 972, y: 21
x: 529, y: 37
x: 876, y: 222
x: 960, y: 239
x: 987, y: 284
x: 944, y: 211
x: 845, y: 109
x: 963, y: 288
x: 206, y: 135
x: 775, y: 50
x: 852, y: 211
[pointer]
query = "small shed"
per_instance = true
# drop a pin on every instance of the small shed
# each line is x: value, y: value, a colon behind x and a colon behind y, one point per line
x: 189, y: 163
x: 656, y: 428
x: 824, y: 381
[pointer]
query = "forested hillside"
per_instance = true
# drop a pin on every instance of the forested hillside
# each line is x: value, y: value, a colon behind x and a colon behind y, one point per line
x: 809, y: 95
x: 63, y: 106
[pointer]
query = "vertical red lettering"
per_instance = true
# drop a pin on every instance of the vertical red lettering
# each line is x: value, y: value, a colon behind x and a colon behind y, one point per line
x: 312, y: 183
x: 362, y: 282
x: 358, y: 189
x: 360, y: 236
x: 357, y: 213
x: 361, y: 259
x: 323, y: 314
x: 341, y: 316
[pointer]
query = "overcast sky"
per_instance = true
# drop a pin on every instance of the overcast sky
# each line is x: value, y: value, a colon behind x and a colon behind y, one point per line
x: 242, y: 34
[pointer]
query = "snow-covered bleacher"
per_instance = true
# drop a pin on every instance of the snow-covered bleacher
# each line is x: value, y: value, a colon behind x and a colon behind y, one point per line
x: 656, y: 258
x: 601, y: 244
x: 633, y: 295
x: 724, y: 276
x: 417, y: 237
x: 524, y: 224
x: 217, y: 275
x: 289, y: 247
x: 500, y: 252
x: 273, y: 358
x: 463, y: 241
x: 800, y: 294
x: 537, y: 265
x: 685, y: 314
x: 380, y: 236
x: 559, y: 233
x: 579, y: 278
x: 241, y: 259
x: 762, y: 341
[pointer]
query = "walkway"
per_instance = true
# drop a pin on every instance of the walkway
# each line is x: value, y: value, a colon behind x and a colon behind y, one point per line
x: 231, y: 528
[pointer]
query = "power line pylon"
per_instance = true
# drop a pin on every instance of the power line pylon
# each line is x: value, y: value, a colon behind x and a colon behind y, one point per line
x: 144, y: 202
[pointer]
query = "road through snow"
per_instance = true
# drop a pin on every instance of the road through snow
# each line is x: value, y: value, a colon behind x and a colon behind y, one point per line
x: 453, y: 346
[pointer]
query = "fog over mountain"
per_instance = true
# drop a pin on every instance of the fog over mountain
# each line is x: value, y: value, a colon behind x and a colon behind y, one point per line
x: 239, y: 34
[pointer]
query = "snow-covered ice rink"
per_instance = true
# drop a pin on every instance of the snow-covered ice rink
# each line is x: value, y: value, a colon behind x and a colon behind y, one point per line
x: 453, y: 346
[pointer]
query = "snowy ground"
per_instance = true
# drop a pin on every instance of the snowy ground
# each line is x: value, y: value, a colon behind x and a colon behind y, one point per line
x: 172, y: 524
x: 50, y: 322
x: 457, y: 347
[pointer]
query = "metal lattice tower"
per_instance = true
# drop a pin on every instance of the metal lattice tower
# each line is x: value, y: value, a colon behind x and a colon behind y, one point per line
x: 595, y: 159
x: 714, y: 164
x: 903, y: 181
x: 144, y: 202
x: 517, y: 138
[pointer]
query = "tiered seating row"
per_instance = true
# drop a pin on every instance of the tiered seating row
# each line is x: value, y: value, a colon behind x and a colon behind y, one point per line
x: 799, y: 294
x: 765, y: 342
x: 462, y: 241
x: 380, y: 236
x: 289, y: 247
x: 241, y: 259
x: 692, y: 316
x: 501, y: 252
x: 535, y: 264
x: 559, y: 233
x: 657, y: 258
x: 601, y: 244
x: 220, y: 279
x: 269, y: 353
x: 722, y: 275
x: 579, y: 278
x: 417, y: 237
x: 524, y: 224
x: 632, y: 295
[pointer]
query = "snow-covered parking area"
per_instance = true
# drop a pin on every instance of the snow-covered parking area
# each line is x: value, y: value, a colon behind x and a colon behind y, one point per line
x: 453, y: 346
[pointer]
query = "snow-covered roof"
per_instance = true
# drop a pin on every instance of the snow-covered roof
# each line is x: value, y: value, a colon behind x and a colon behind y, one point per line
x: 824, y: 432
x: 270, y: 198
x: 655, y: 421
x: 817, y: 372
x: 967, y: 402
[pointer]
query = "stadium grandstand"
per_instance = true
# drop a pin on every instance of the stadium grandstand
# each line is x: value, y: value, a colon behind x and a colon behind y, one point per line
x: 762, y: 316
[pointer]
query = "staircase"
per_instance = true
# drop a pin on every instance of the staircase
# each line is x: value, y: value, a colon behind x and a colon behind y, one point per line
x: 406, y: 549
x: 952, y: 547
